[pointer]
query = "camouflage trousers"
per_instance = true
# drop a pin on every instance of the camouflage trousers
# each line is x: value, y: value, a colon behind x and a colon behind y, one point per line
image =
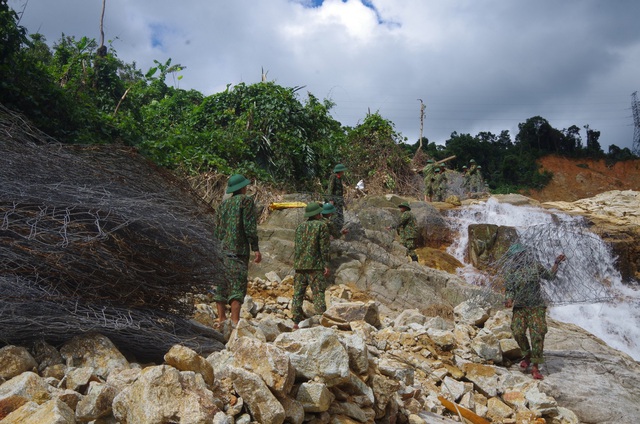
x: 534, y: 319
x: 301, y: 280
x: 339, y: 217
x: 410, y: 244
x: 237, y: 269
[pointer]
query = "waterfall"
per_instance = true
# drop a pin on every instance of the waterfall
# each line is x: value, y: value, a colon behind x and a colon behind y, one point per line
x: 588, y: 290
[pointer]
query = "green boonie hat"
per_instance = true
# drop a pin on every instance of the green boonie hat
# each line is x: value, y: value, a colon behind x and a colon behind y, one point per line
x: 404, y: 205
x: 339, y: 168
x: 430, y: 161
x: 312, y: 209
x: 472, y: 161
x: 328, y: 208
x: 436, y: 169
x: 464, y: 167
x: 479, y: 166
x: 236, y: 182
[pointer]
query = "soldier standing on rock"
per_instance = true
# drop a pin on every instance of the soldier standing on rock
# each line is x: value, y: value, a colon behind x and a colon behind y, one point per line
x: 311, y: 261
x: 428, y: 172
x: 440, y: 184
x: 524, y: 293
x: 407, y: 229
x: 328, y: 214
x: 335, y: 193
x: 236, y: 227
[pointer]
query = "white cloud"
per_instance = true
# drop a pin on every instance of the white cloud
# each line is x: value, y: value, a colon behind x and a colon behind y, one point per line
x: 479, y: 66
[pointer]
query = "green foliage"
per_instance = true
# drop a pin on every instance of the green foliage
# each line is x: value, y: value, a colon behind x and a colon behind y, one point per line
x: 373, y: 150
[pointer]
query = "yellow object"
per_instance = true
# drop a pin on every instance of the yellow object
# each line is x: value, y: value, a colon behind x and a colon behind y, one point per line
x: 285, y: 205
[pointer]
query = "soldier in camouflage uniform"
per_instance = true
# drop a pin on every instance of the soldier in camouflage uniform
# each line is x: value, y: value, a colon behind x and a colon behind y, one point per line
x: 311, y: 261
x: 407, y: 229
x: 428, y: 172
x: 524, y: 293
x: 440, y: 184
x: 236, y: 228
x: 335, y: 193
x: 471, y: 176
x: 328, y: 214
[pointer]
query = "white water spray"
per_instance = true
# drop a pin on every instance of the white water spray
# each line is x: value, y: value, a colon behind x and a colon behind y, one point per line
x: 588, y: 290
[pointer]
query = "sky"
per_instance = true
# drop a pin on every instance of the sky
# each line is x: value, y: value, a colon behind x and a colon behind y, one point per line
x: 475, y: 65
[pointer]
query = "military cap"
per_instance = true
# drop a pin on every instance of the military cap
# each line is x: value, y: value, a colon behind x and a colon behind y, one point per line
x: 312, y: 209
x: 339, y: 168
x: 236, y: 182
x: 328, y: 208
x: 404, y: 205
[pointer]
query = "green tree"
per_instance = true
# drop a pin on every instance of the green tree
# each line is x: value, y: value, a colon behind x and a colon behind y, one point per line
x: 373, y: 152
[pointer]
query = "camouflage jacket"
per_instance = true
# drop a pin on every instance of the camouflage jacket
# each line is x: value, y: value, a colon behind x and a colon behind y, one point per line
x: 428, y: 172
x: 522, y: 285
x: 332, y: 226
x: 335, y: 191
x: 236, y: 225
x: 407, y: 228
x: 311, y: 251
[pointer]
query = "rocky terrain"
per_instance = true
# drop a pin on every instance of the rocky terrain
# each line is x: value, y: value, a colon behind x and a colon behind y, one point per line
x: 400, y: 342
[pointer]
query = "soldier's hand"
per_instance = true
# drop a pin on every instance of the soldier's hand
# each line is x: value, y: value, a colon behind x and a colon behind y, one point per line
x: 560, y: 258
x: 326, y: 271
x: 258, y: 257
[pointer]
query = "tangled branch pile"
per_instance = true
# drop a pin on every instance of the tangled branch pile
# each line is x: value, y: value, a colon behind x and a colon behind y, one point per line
x: 586, y: 276
x: 98, y: 238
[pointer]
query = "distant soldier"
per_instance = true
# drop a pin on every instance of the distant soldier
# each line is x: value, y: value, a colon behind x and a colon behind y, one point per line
x: 407, y: 229
x: 476, y: 182
x: 236, y: 228
x: 335, y: 193
x: 328, y: 214
x: 440, y: 185
x: 427, y: 173
x: 470, y: 176
x: 523, y: 292
x: 311, y: 261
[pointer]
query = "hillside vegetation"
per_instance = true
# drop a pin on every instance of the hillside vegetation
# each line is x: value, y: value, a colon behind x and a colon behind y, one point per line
x: 80, y: 92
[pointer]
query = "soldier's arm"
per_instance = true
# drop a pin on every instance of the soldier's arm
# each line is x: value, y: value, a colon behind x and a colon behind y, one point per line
x: 250, y: 221
x: 324, y: 241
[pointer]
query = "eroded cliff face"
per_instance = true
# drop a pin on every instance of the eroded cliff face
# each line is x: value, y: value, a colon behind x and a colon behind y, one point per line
x: 575, y: 179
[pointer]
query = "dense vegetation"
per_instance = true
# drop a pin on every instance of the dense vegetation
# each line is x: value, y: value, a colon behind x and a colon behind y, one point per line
x: 80, y: 92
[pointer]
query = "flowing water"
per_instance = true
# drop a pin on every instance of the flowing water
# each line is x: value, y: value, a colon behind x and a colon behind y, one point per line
x: 588, y: 290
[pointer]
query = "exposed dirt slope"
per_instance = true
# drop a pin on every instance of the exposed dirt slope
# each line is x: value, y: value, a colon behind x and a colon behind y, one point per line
x: 575, y: 179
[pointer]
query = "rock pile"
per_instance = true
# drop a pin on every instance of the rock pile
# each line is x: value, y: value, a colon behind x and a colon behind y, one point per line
x: 349, y: 365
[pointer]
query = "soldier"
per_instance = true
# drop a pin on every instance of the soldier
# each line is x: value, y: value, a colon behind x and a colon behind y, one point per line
x: 236, y: 228
x: 428, y: 172
x: 328, y: 214
x: 335, y: 193
x: 470, y: 176
x: 407, y: 229
x: 311, y: 261
x: 523, y: 292
x: 440, y: 185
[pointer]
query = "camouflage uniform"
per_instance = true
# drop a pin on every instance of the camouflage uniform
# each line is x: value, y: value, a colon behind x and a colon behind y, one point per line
x: 332, y: 226
x: 408, y: 231
x: 428, y: 172
x: 236, y: 228
x: 311, y: 257
x: 335, y: 194
x: 440, y: 186
x: 522, y: 285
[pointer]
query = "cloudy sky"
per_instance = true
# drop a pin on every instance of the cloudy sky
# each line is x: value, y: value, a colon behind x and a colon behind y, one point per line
x: 477, y: 65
